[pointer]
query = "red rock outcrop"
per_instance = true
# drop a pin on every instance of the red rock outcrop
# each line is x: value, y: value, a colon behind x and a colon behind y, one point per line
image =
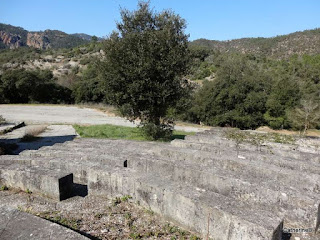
x: 38, y: 40
x: 11, y: 40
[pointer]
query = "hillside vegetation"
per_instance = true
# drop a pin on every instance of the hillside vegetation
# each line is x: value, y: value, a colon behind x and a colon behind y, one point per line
x: 244, y: 83
x: 306, y: 42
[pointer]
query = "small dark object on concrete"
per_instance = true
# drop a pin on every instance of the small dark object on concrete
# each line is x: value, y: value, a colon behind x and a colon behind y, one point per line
x: 65, y: 187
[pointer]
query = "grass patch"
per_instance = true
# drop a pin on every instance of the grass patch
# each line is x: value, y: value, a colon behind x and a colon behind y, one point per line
x: 119, y: 132
x: 4, y: 188
x: 258, y: 139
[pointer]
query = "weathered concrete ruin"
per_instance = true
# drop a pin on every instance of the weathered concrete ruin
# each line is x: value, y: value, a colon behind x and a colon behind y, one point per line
x: 13, y: 226
x: 222, y: 188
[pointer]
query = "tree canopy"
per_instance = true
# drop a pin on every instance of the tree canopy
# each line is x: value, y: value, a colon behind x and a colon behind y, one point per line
x: 21, y: 86
x: 146, y: 60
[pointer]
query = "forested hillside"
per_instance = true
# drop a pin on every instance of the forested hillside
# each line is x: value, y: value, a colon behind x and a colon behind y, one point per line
x: 248, y: 91
x: 243, y: 83
x: 306, y: 42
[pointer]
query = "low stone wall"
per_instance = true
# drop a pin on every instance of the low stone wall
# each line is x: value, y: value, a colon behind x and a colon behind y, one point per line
x: 206, y: 183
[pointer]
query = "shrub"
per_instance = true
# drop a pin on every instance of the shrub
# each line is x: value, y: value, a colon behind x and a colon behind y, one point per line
x: 154, y: 132
x: 32, y: 133
x: 21, y: 86
x: 2, y: 120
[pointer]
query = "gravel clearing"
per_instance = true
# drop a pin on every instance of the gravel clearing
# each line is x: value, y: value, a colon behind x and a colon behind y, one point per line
x: 42, y: 114
x: 49, y: 114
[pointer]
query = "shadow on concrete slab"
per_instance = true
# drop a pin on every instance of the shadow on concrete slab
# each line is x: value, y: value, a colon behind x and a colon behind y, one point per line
x: 86, y: 235
x: 36, y: 144
x: 286, y: 236
x: 80, y: 190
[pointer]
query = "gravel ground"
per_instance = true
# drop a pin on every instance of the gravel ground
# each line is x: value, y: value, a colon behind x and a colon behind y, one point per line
x: 43, y: 114
x: 98, y: 218
x: 49, y: 114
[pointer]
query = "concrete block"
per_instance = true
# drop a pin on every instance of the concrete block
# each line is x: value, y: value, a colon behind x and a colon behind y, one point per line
x: 20, y: 225
x: 53, y: 184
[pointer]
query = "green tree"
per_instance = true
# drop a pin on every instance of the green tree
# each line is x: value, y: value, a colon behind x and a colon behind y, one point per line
x: 21, y: 86
x: 284, y: 96
x: 146, y: 60
x: 236, y: 97
x: 94, y: 39
x: 306, y: 115
x: 89, y: 88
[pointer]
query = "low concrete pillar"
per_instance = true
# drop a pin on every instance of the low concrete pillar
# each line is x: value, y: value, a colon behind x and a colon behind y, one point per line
x: 53, y: 184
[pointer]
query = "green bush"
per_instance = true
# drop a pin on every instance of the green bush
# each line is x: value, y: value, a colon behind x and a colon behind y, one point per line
x: 89, y: 88
x: 85, y: 61
x: 22, y: 86
x: 154, y: 132
x: 235, y: 98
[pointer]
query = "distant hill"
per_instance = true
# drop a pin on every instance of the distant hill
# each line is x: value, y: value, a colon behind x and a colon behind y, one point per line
x: 85, y: 36
x: 14, y: 37
x: 306, y: 42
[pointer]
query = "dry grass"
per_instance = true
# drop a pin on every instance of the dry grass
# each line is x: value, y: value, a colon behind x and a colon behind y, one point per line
x: 106, y: 109
x: 310, y: 133
x: 32, y: 133
x: 100, y: 217
x: 188, y: 124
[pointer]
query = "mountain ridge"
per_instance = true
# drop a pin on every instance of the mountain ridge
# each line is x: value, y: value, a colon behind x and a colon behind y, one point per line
x: 300, y: 42
x: 281, y: 46
x: 14, y: 37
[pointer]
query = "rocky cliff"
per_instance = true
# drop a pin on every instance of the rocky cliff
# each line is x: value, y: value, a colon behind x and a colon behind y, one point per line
x: 11, y: 40
x: 38, y: 40
x: 13, y: 37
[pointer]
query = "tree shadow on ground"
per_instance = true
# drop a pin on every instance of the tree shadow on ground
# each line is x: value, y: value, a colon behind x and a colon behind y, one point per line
x: 35, y: 144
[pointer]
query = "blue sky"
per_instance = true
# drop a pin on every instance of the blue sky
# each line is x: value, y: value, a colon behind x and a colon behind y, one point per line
x: 211, y: 19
